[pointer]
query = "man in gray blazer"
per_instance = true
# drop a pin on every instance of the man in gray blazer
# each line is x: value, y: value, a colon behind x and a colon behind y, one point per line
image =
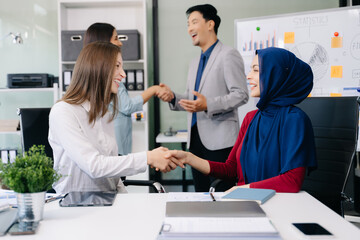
x: 216, y: 87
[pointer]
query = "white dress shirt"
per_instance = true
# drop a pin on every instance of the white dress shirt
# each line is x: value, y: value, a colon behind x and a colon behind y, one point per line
x: 86, y: 154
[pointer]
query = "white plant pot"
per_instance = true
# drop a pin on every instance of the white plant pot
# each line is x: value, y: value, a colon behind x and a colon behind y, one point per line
x: 30, y: 206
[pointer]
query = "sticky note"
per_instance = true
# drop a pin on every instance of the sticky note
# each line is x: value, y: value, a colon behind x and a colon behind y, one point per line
x: 335, y: 94
x: 336, y: 71
x: 289, y: 37
x: 336, y: 42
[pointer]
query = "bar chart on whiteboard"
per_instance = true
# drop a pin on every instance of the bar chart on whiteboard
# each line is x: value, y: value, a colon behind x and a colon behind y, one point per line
x: 328, y: 40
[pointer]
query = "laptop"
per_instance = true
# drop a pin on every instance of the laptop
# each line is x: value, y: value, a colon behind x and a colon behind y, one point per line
x: 214, y: 209
x: 87, y: 199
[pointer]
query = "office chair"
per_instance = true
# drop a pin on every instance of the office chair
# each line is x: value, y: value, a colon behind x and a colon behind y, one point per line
x: 34, y: 126
x: 335, y: 122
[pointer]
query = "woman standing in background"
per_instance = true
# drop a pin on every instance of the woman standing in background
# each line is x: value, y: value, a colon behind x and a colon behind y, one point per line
x: 126, y: 105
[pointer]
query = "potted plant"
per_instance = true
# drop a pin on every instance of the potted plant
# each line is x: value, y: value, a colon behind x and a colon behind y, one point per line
x: 30, y: 176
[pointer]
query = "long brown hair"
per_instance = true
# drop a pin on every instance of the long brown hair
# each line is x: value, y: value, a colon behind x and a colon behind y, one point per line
x: 98, y: 32
x: 92, y: 79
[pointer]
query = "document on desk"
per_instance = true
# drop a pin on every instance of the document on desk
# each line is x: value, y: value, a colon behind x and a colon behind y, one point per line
x: 192, y: 227
x: 193, y: 196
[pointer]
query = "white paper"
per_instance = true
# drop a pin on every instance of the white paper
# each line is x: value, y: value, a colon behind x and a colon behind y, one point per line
x: 211, y: 225
x: 192, y: 196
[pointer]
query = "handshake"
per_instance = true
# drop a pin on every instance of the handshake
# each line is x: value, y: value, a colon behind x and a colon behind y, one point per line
x: 165, y: 160
x: 163, y: 92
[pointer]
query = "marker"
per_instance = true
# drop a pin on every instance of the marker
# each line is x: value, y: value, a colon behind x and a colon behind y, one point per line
x: 212, y: 196
x: 336, y: 34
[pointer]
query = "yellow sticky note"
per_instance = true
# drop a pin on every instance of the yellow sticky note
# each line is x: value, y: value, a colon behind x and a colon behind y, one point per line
x: 289, y: 37
x: 335, y: 94
x: 336, y: 42
x: 336, y: 71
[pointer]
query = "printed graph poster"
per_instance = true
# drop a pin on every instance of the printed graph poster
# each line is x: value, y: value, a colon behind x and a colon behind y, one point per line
x: 328, y: 40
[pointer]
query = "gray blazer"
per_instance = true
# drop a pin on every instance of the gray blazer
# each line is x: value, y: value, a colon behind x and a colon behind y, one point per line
x: 223, y: 83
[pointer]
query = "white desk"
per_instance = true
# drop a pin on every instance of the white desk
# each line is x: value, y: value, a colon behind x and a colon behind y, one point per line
x: 139, y: 217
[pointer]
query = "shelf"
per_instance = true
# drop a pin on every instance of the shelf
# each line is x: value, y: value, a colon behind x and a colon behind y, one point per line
x: 12, y: 132
x: 97, y: 3
x: 125, y: 62
x: 26, y: 89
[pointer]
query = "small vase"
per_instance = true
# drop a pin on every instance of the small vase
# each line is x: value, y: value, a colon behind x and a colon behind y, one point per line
x: 30, y: 206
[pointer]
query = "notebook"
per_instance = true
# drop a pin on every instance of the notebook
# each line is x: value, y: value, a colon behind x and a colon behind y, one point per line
x: 7, y: 218
x: 214, y: 209
x: 254, y: 194
x: 216, y: 220
x: 86, y: 199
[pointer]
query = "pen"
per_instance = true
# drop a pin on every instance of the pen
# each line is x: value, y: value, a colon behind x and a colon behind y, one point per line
x: 212, y: 196
x: 54, y: 198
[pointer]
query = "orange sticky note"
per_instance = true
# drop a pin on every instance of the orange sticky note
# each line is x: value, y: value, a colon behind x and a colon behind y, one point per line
x: 335, y: 94
x: 289, y: 37
x: 336, y: 71
x: 336, y: 42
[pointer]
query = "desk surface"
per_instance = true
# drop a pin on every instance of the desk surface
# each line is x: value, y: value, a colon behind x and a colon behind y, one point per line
x: 139, y: 216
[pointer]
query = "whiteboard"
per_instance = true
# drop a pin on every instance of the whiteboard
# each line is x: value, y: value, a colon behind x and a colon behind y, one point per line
x: 328, y: 40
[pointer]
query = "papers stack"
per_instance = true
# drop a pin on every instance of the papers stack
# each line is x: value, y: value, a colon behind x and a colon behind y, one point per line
x: 196, y: 216
x: 210, y: 227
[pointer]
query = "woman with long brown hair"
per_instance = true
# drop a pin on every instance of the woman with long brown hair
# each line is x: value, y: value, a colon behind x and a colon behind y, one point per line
x: 81, y: 127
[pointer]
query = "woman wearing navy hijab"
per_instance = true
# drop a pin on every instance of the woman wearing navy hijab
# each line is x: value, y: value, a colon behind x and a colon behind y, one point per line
x: 275, y: 144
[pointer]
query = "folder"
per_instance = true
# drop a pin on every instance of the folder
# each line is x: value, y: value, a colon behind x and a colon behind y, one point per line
x: 131, y: 80
x: 4, y: 156
x: 255, y: 194
x: 12, y: 155
x: 139, y: 79
x: 124, y: 80
x: 67, y: 79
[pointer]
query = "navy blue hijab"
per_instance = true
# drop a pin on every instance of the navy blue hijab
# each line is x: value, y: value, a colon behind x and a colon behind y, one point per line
x: 280, y: 137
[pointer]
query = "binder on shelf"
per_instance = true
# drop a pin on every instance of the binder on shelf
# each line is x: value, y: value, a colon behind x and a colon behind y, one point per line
x: 66, y: 79
x: 131, y: 80
x: 12, y: 155
x: 124, y: 80
x: 4, y: 156
x: 139, y: 79
x: 8, y: 155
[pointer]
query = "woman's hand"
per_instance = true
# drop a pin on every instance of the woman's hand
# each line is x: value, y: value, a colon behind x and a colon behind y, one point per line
x: 182, y: 156
x: 156, y: 159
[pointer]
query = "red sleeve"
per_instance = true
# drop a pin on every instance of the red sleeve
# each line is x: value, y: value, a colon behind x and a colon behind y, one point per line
x: 230, y: 169
x: 290, y: 181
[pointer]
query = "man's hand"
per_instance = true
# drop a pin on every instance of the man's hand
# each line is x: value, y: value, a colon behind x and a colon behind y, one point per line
x: 164, y: 93
x: 156, y: 159
x: 197, y: 105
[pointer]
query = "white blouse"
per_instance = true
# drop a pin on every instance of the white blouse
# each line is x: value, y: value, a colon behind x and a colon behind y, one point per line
x: 86, y: 154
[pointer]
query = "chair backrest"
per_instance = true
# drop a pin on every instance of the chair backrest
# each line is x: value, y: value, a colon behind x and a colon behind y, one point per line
x: 335, y: 122
x: 34, y: 125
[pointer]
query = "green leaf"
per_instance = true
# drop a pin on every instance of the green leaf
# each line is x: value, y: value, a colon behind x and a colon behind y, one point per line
x: 30, y: 173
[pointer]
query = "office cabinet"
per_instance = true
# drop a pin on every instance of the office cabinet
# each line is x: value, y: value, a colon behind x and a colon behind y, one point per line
x: 126, y: 15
